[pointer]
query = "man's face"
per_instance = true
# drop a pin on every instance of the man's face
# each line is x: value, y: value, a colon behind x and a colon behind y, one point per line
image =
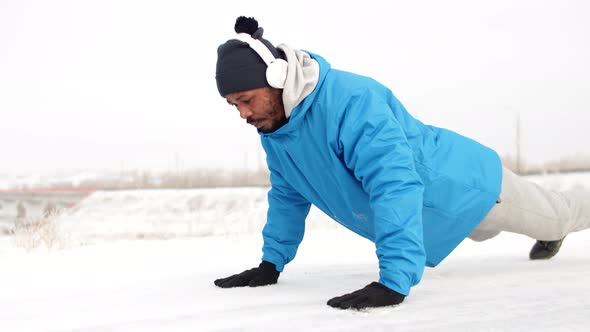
x: 263, y: 108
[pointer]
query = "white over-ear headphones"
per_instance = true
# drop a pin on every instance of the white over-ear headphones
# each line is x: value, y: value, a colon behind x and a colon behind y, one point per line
x: 276, y: 71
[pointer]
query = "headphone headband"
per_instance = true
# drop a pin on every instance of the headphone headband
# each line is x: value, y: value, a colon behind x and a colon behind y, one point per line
x: 258, y: 47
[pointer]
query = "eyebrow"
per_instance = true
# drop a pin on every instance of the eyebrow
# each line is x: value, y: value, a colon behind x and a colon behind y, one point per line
x: 237, y: 99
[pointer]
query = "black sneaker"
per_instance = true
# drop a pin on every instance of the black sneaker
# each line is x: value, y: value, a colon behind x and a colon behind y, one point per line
x: 545, y: 249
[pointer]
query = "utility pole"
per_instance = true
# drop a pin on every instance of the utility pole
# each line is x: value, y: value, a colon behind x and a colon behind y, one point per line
x: 519, y: 169
x: 177, y: 166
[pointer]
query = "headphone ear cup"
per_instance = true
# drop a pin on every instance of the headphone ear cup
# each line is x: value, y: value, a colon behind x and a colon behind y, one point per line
x: 276, y: 73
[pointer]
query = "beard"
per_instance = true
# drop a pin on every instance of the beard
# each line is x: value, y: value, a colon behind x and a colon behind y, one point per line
x: 270, y: 125
x: 273, y: 116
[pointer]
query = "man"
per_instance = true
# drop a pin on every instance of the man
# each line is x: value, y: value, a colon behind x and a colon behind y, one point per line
x: 344, y: 143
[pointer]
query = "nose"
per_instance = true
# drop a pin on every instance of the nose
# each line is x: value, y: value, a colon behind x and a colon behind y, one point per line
x: 245, y: 112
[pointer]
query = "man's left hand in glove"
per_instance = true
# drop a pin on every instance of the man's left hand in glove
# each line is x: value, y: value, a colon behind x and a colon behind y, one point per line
x: 265, y: 274
x: 373, y: 295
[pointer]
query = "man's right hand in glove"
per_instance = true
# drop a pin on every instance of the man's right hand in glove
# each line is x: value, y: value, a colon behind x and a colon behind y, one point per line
x: 265, y: 274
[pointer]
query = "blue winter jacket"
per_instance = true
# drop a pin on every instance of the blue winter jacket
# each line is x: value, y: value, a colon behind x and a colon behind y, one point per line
x: 351, y: 149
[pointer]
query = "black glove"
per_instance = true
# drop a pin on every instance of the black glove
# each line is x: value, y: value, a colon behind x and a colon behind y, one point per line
x: 373, y: 295
x: 265, y: 274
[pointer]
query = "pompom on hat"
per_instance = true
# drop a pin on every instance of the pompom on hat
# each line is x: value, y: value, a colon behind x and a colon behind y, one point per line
x: 239, y: 67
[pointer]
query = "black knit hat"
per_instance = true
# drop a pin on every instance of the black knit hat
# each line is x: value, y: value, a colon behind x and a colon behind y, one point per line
x: 239, y: 67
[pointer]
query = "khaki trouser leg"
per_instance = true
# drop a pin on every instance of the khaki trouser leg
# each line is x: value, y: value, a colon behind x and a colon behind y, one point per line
x: 529, y: 209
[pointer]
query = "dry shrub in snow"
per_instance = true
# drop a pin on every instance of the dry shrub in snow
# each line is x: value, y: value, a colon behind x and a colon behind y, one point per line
x: 42, y: 232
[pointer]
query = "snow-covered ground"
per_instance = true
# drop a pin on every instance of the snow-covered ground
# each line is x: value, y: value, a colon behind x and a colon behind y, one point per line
x: 146, y: 261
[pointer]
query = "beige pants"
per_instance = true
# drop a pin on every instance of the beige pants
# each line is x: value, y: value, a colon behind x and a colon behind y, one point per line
x: 529, y: 209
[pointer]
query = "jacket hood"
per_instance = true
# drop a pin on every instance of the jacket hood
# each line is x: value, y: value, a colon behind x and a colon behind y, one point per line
x: 302, y: 76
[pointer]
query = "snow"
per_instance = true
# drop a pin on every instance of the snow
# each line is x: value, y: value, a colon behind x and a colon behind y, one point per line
x: 111, y: 272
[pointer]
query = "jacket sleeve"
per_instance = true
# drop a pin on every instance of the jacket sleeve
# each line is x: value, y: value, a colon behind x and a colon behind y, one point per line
x: 376, y: 150
x: 285, y: 222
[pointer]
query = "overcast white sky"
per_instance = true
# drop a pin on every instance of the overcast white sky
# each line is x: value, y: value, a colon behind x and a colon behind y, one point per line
x: 130, y: 83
